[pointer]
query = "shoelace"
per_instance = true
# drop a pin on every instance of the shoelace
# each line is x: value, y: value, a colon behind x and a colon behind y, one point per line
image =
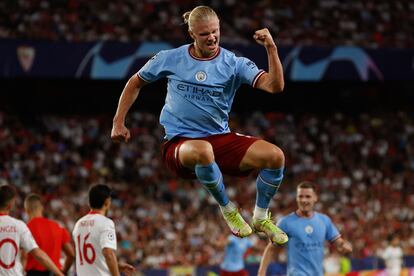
x: 268, y: 220
x: 232, y: 216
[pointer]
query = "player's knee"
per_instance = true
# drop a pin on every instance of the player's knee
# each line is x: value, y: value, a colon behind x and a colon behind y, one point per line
x: 203, y: 153
x: 195, y: 152
x: 275, y: 158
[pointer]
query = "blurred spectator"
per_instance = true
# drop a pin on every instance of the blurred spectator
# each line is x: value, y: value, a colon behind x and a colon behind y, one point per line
x: 332, y: 263
x: 370, y: 23
x: 345, y: 264
x: 235, y: 251
x: 61, y: 157
x: 392, y: 256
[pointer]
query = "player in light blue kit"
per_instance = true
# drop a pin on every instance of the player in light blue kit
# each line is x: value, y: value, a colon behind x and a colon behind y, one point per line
x: 307, y: 231
x: 233, y: 262
x: 202, y: 82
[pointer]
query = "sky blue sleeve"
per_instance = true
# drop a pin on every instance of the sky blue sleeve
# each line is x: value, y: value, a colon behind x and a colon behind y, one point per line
x: 248, y: 72
x: 331, y: 231
x: 282, y: 224
x: 155, y: 68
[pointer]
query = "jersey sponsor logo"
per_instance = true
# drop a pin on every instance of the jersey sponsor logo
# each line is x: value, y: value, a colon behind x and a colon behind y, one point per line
x: 198, y: 98
x: 202, y: 94
x: 309, y: 229
x: 202, y: 91
x: 201, y: 76
x: 308, y: 246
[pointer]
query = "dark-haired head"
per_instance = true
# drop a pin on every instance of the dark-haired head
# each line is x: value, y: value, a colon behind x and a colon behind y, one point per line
x: 7, y: 195
x: 98, y: 194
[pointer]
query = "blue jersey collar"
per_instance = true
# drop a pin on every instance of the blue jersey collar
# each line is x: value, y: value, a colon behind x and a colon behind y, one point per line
x: 203, y: 59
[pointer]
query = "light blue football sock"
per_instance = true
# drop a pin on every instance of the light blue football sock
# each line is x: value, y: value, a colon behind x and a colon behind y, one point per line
x: 210, y: 176
x: 267, y: 184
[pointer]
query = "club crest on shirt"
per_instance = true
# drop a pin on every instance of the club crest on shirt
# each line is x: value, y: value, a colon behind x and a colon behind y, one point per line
x: 201, y: 76
x: 309, y: 229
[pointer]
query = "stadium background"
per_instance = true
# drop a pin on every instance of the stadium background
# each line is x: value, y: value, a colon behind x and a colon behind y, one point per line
x: 353, y: 134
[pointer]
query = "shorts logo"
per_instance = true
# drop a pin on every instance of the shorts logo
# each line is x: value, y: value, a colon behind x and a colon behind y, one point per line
x: 309, y: 229
x: 201, y: 76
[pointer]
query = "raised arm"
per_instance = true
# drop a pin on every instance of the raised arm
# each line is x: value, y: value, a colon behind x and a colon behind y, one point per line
x: 130, y: 93
x: 269, y: 253
x: 271, y: 81
x: 44, y: 260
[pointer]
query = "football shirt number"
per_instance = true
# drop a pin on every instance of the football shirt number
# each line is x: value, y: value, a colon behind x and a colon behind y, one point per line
x: 84, y: 249
x: 13, y: 243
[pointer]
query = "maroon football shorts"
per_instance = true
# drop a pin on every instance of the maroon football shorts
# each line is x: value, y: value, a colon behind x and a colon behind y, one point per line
x: 242, y: 272
x: 229, y: 149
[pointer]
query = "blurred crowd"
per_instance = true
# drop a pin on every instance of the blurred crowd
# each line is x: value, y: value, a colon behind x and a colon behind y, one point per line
x: 370, y: 23
x: 363, y: 165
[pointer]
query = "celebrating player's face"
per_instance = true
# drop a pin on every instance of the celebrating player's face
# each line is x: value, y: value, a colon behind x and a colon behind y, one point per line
x: 306, y: 199
x: 206, y: 35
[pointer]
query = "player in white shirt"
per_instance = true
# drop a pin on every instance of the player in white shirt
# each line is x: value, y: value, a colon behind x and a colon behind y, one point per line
x: 393, y: 257
x: 95, y: 238
x: 15, y: 235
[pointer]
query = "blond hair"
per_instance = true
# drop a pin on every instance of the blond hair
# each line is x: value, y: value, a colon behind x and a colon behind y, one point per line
x: 199, y: 13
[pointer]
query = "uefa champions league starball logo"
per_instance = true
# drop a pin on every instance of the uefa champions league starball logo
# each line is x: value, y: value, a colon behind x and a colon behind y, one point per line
x: 201, y: 76
x: 309, y: 229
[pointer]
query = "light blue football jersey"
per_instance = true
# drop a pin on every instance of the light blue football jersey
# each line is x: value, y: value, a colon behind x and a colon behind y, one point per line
x: 234, y: 253
x: 200, y: 92
x: 305, y: 248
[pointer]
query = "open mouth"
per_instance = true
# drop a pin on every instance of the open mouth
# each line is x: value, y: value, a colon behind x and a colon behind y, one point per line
x: 212, y: 45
